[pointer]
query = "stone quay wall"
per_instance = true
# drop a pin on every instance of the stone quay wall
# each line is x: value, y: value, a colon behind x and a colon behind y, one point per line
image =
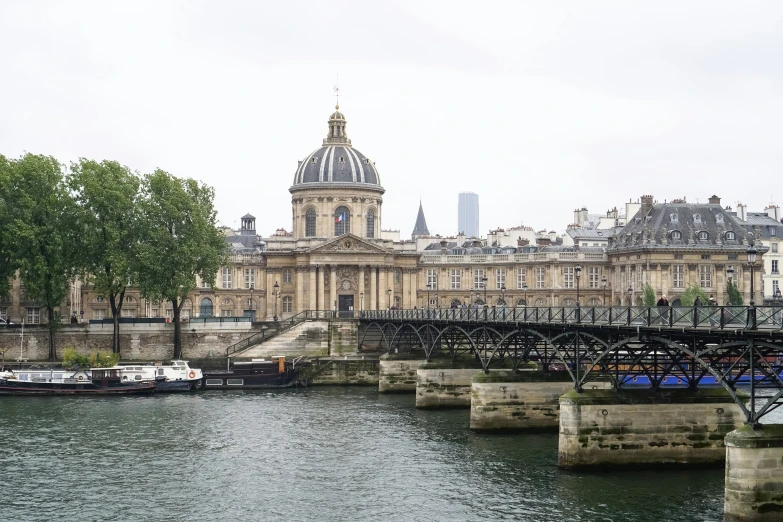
x: 343, y: 370
x: 517, y: 401
x: 754, y: 474
x: 398, y: 373
x: 606, y: 428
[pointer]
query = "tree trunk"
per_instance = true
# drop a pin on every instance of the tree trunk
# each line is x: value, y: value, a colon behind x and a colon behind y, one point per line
x: 52, y: 326
x: 115, y: 315
x: 177, y: 334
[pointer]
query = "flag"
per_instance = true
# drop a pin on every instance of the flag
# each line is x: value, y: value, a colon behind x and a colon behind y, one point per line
x: 339, y: 218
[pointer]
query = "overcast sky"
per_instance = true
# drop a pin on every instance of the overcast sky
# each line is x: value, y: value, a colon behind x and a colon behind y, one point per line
x: 539, y: 107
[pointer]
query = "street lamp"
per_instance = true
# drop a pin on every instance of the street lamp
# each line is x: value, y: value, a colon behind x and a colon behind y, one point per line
x: 429, y: 285
x: 503, y: 294
x: 388, y: 298
x: 752, y: 308
x: 603, y: 287
x: 276, y: 292
x: 524, y: 292
x: 630, y: 296
x: 361, y: 301
x: 484, y: 284
x: 578, y: 275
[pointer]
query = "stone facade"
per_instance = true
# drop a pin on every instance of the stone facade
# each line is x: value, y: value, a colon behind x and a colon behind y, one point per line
x: 397, y: 374
x: 444, y: 384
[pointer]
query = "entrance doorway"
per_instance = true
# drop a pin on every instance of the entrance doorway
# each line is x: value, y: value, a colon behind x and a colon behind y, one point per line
x: 345, y: 305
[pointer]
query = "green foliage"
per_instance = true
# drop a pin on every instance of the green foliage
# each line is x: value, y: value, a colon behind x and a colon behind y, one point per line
x: 7, y: 263
x: 44, y: 241
x: 649, y: 295
x: 180, y: 240
x: 690, y: 294
x: 72, y: 358
x: 106, y: 195
x: 735, y: 296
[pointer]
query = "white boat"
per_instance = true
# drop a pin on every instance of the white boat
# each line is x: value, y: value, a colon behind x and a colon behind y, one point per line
x: 177, y: 376
x: 58, y: 376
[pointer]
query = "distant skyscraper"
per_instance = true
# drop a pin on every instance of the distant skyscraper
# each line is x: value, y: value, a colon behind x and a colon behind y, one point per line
x: 468, y: 214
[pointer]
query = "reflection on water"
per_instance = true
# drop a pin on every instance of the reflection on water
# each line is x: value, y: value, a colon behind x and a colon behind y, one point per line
x: 315, y: 454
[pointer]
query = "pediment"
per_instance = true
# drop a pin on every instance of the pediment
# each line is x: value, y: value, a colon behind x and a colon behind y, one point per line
x: 348, y: 244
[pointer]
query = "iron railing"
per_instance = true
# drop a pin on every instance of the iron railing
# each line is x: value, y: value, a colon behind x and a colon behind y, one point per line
x: 709, y: 317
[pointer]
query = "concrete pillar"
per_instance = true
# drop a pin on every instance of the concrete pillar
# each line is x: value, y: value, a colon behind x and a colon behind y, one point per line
x: 383, y: 298
x: 333, y: 288
x: 300, y: 291
x: 360, y: 305
x: 606, y: 428
x: 444, y: 384
x: 406, y: 296
x: 321, y: 284
x: 373, y: 288
x: 754, y: 474
x: 397, y: 373
x: 525, y: 400
x: 313, y: 289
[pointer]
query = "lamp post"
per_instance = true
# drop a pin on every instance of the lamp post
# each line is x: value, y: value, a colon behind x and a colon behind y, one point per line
x: 578, y: 275
x: 752, y: 308
x: 361, y: 301
x: 276, y: 292
x: 484, y: 284
x: 630, y: 296
x: 388, y: 298
x: 503, y: 294
x: 603, y: 288
x: 429, y: 285
x: 524, y: 293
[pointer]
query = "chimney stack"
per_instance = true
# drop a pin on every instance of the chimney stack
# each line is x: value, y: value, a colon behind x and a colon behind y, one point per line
x: 647, y: 205
x: 714, y: 200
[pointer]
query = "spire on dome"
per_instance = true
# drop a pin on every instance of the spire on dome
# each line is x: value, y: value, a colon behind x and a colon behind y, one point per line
x: 337, y: 135
x: 421, y: 224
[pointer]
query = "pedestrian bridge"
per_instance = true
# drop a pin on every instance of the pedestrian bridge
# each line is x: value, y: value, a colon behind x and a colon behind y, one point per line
x: 738, y: 348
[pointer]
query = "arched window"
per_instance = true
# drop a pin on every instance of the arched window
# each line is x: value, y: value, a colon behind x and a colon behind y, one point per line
x: 310, y: 222
x: 676, y: 235
x: 206, y: 307
x: 500, y: 302
x: 567, y: 302
x: 730, y: 236
x: 456, y: 303
x: 594, y: 302
x: 704, y: 235
x: 540, y: 302
x: 288, y: 304
x: 371, y: 223
x: 521, y: 302
x: 342, y: 221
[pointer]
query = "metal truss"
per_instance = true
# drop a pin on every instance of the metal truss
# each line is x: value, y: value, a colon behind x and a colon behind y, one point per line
x: 747, y: 363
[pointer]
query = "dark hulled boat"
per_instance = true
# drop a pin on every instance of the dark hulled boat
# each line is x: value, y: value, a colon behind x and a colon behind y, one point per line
x: 103, y: 381
x: 256, y: 374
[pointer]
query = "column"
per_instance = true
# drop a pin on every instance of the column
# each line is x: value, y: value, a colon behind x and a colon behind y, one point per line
x: 361, y: 304
x: 313, y: 289
x: 406, y: 295
x: 382, y: 287
x: 332, y: 288
x: 414, y: 284
x: 300, y: 293
x: 321, y: 303
x: 373, y: 288
x: 270, y: 296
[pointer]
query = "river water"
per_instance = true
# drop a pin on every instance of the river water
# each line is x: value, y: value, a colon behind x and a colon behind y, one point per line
x: 326, y: 454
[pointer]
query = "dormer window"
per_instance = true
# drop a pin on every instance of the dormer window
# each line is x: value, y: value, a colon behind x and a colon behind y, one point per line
x: 703, y: 235
x: 366, y: 161
x: 730, y: 236
x: 697, y: 218
x: 342, y: 160
x: 674, y: 218
x: 676, y: 235
x: 314, y: 161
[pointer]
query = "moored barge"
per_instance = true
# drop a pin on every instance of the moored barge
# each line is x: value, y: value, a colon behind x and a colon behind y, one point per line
x: 256, y: 374
x: 102, y: 381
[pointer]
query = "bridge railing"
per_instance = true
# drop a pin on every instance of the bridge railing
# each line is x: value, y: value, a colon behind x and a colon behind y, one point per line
x: 708, y: 317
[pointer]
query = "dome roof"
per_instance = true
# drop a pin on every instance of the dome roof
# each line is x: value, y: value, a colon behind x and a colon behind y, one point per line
x: 336, y: 162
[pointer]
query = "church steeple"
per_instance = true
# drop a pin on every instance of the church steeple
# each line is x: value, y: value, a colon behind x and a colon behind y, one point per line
x: 421, y: 224
x: 337, y: 134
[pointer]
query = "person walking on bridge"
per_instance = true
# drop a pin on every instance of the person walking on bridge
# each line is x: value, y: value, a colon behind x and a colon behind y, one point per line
x: 663, y: 310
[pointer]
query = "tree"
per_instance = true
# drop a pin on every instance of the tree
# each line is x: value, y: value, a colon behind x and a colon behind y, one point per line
x: 180, y: 241
x: 7, y: 263
x: 690, y: 294
x: 649, y: 295
x: 106, y: 195
x: 43, y: 240
x: 735, y: 296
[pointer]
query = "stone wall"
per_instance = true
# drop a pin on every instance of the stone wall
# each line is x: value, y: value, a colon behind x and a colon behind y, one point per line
x: 526, y: 400
x: 148, y: 342
x: 309, y: 338
x: 605, y: 428
x: 343, y: 371
x: 445, y: 384
x: 343, y: 337
x: 398, y: 373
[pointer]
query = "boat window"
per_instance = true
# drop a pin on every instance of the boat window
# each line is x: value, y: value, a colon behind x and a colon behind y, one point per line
x: 214, y: 382
x: 235, y: 382
x: 138, y: 377
x: 160, y: 371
